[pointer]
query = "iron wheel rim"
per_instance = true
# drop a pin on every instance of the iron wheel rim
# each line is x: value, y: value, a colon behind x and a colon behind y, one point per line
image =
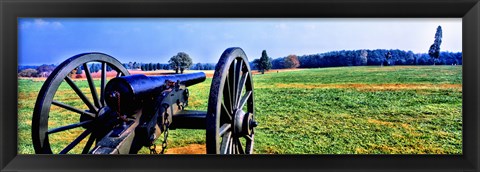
x: 225, y: 118
x: 40, y: 121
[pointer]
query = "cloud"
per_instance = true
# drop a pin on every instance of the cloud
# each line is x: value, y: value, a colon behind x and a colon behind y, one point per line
x: 41, y: 24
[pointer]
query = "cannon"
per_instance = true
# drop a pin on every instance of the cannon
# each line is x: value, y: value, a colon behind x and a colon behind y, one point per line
x: 120, y: 113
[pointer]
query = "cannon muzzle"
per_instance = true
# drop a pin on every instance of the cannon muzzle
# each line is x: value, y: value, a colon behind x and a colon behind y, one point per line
x: 130, y: 91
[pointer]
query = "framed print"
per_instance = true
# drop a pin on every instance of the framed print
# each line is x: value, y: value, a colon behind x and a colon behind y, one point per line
x: 311, y: 85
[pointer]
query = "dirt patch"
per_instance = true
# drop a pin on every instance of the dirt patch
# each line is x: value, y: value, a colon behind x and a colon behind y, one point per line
x: 190, y: 149
x: 374, y: 87
x: 209, y: 75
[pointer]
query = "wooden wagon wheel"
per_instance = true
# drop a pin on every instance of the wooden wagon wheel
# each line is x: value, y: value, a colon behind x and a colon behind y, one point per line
x: 84, y: 114
x: 230, y: 115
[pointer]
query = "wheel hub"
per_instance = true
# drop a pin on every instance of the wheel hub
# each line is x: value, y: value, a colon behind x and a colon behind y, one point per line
x: 243, y: 123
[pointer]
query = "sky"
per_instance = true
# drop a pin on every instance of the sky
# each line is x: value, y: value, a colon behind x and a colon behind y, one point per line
x: 53, y: 40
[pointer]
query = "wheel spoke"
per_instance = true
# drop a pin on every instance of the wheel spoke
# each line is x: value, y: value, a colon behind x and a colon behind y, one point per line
x: 241, y: 84
x: 91, y: 85
x: 224, y: 129
x: 239, y: 146
x: 226, y: 112
x: 244, y: 99
x: 238, y: 70
x: 76, y: 141
x: 71, y: 108
x: 225, y: 142
x: 102, y: 83
x: 89, y: 144
x: 227, y: 95
x: 236, y: 146
x: 232, y: 145
x: 80, y: 94
x: 249, y: 138
x: 119, y: 74
x: 68, y: 127
x: 249, y: 146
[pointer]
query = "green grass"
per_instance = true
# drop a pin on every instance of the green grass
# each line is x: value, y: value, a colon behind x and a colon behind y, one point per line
x: 344, y: 110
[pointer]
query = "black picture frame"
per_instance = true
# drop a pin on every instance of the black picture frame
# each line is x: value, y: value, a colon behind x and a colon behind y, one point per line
x: 468, y: 10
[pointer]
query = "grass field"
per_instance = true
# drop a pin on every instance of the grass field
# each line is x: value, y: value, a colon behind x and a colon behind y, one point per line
x: 344, y: 110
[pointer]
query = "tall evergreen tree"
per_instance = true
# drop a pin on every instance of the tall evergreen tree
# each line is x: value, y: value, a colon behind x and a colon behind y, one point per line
x: 264, y: 63
x: 434, y: 50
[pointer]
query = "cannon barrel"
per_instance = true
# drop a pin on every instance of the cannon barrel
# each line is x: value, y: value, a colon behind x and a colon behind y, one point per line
x: 131, y: 91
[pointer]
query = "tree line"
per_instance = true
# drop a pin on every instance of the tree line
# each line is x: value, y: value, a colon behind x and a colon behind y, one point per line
x: 164, y: 66
x: 178, y: 62
x: 377, y: 57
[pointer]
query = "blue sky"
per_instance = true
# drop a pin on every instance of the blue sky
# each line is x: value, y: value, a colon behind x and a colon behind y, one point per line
x: 52, y: 40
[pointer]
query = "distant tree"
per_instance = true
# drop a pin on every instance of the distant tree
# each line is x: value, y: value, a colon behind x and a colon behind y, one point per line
x: 135, y: 65
x: 28, y: 73
x: 263, y: 63
x: 388, y: 56
x: 175, y: 63
x: 181, y: 61
x: 78, y: 72
x: 45, y: 69
x: 362, y: 59
x: 198, y: 66
x: 92, y: 68
x: 422, y: 59
x: 410, y: 58
x: 150, y: 67
x: 109, y: 68
x: 142, y: 67
x: 95, y: 67
x: 208, y: 66
x: 256, y: 64
x: 434, y: 50
x: 291, y: 61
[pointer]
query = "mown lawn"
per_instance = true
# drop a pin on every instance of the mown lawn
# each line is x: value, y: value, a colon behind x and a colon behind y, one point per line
x: 344, y: 110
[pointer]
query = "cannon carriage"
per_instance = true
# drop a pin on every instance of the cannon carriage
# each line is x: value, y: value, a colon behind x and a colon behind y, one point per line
x: 129, y: 112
